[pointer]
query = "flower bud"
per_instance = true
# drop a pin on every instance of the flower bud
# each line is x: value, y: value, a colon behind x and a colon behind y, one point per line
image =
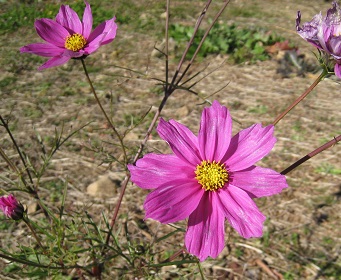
x: 325, y: 34
x: 11, y: 207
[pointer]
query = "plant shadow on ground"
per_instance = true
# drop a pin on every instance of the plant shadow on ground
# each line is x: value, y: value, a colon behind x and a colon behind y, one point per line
x: 301, y: 236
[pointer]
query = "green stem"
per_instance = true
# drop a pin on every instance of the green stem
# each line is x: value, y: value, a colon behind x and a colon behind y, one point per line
x: 182, y: 251
x: 298, y: 100
x: 27, y: 222
x: 32, y: 190
x: 5, y: 124
x: 104, y: 113
x: 34, y: 264
x: 138, y: 154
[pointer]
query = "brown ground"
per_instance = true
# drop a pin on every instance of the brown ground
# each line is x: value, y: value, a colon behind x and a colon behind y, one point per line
x: 302, y: 234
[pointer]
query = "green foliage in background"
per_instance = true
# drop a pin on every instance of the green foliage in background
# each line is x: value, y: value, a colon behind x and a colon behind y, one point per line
x: 23, y: 13
x: 242, y: 44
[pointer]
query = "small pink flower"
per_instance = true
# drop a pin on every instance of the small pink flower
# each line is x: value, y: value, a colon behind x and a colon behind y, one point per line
x: 209, y: 178
x: 11, y: 207
x: 324, y: 33
x: 68, y: 37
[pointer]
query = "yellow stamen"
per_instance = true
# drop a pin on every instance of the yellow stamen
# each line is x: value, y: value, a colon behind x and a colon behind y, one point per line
x: 75, y: 42
x: 211, y: 175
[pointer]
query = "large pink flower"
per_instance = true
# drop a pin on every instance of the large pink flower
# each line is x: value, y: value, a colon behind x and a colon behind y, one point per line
x: 68, y: 37
x: 11, y: 207
x: 209, y: 178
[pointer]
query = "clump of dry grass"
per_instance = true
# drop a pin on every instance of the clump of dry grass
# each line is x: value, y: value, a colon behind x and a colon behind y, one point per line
x: 302, y: 236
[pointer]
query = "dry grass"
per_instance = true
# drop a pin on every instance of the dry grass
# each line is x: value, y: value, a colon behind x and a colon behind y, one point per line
x: 302, y: 234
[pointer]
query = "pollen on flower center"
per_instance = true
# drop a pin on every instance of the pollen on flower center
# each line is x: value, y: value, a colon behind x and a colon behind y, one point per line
x: 75, y: 42
x: 211, y: 175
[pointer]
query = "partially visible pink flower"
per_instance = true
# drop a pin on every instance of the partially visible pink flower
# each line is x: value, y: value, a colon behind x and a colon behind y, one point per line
x: 68, y: 37
x: 324, y: 33
x: 11, y: 207
x: 209, y: 178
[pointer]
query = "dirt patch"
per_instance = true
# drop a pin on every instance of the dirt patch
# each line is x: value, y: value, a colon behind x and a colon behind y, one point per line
x: 302, y: 234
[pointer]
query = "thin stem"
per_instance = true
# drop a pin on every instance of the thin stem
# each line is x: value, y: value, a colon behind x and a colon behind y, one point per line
x: 175, y: 255
x: 20, y: 155
x: 10, y: 163
x: 202, y: 41
x: 27, y: 222
x: 33, y: 191
x: 298, y: 100
x: 138, y: 154
x: 103, y: 111
x: 200, y: 270
x: 312, y: 154
x: 33, y: 264
x: 167, y: 41
x: 189, y: 44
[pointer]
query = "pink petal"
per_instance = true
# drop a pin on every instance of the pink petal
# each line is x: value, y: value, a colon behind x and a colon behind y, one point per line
x: 173, y: 202
x: 8, y: 204
x: 215, y: 132
x: 55, y: 61
x: 87, y: 20
x: 110, y: 31
x: 180, y: 141
x: 241, y: 212
x: 4, y: 202
x: 108, y: 28
x: 154, y: 170
x: 337, y: 70
x: 186, y: 133
x: 51, y: 32
x: 94, y: 44
x: 68, y: 18
x: 249, y: 146
x: 335, y: 46
x: 205, y: 233
x: 73, y: 54
x: 322, y: 31
x: 259, y: 181
x: 42, y: 49
x: 12, y: 201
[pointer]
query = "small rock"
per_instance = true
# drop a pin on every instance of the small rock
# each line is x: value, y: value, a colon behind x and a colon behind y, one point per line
x: 131, y: 136
x: 32, y: 207
x: 105, y: 186
x: 163, y: 15
x: 182, y: 112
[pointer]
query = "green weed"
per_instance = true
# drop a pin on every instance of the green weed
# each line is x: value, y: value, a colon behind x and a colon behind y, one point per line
x: 17, y: 15
x: 32, y: 112
x: 328, y: 169
x: 7, y: 81
x: 241, y: 43
x: 239, y: 252
x: 259, y: 109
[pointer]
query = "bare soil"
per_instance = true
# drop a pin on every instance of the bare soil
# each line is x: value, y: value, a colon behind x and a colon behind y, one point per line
x: 302, y: 233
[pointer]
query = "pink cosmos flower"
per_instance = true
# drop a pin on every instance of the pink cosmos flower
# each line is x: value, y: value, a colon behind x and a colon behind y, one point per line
x: 11, y: 207
x: 324, y: 33
x: 209, y: 178
x: 68, y: 37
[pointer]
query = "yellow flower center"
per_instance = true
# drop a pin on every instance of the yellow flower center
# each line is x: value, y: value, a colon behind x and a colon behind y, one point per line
x: 75, y: 42
x: 211, y: 175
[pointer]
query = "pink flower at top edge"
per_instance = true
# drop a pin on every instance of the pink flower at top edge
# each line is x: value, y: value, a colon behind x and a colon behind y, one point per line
x: 324, y: 33
x: 68, y: 37
x: 209, y: 178
x: 11, y: 207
